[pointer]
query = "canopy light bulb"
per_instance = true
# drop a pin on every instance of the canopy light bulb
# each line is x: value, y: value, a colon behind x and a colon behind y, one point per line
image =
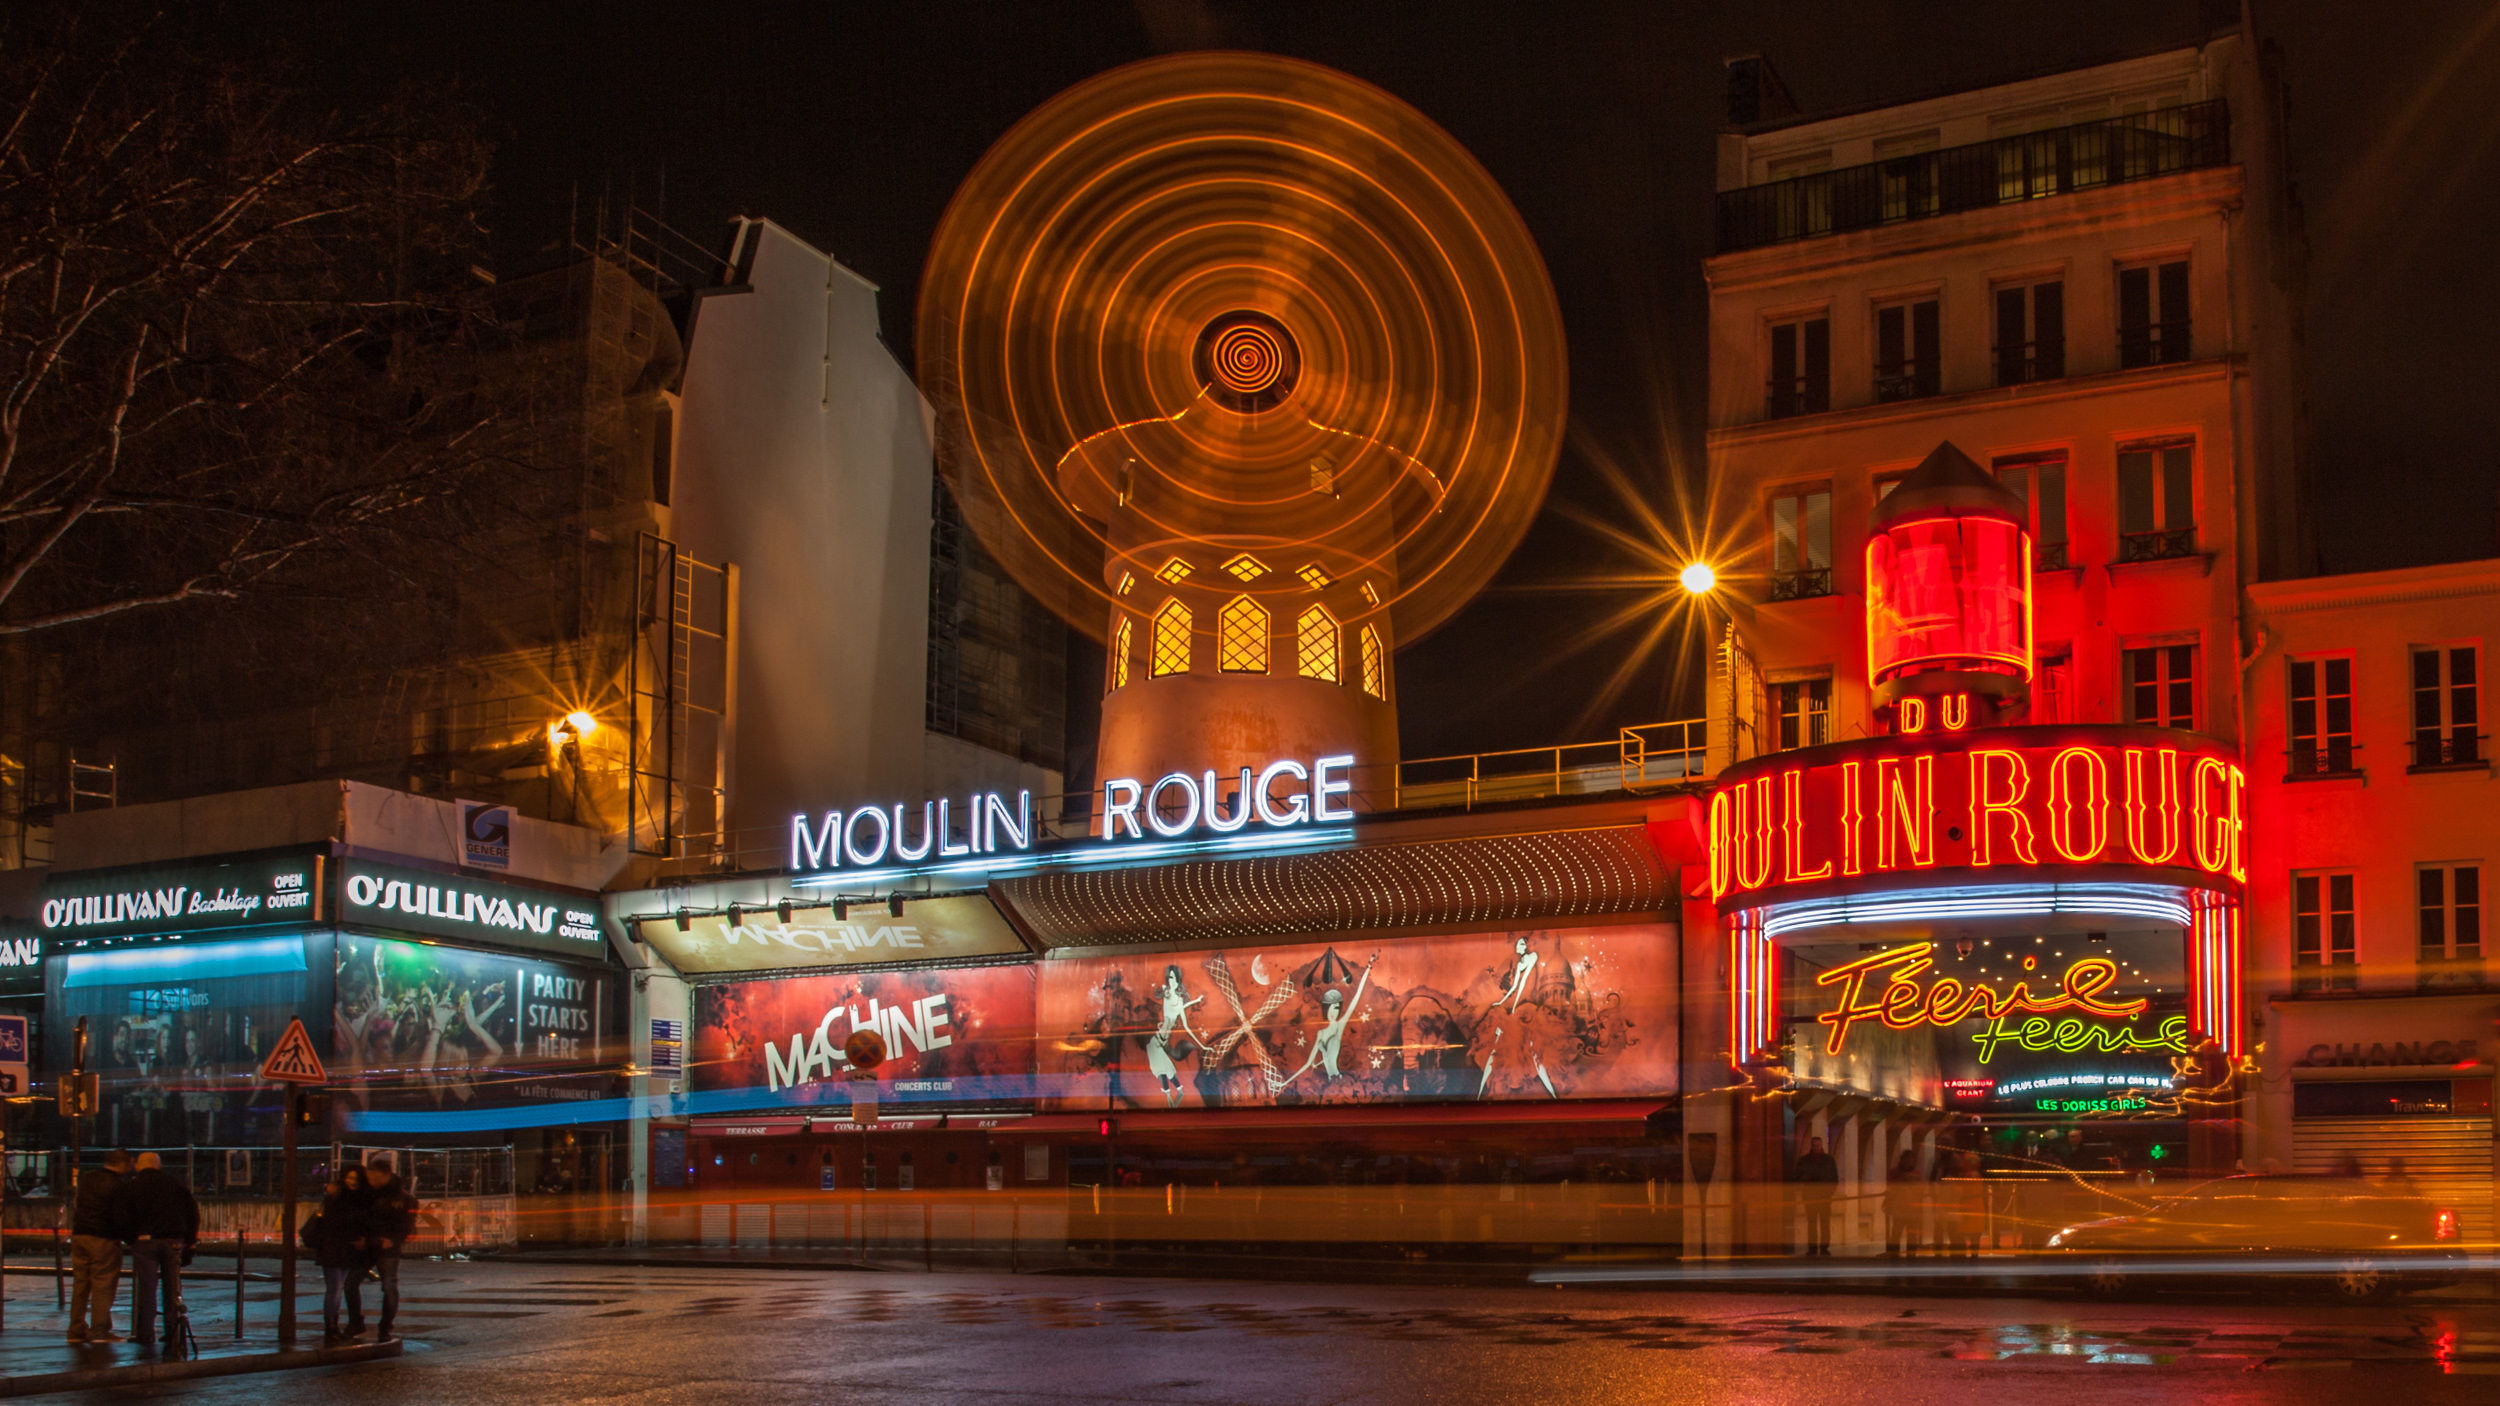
x: 582, y: 723
x: 1698, y: 579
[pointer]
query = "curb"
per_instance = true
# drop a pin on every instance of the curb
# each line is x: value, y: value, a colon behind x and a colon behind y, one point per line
x: 186, y: 1369
x: 664, y: 1261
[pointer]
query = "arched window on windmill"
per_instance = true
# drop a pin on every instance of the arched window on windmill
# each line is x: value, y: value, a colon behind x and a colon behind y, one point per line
x: 1316, y: 646
x: 1241, y: 637
x: 1171, y: 642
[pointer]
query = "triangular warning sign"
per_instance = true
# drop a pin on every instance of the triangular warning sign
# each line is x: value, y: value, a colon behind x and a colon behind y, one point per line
x: 294, y: 1061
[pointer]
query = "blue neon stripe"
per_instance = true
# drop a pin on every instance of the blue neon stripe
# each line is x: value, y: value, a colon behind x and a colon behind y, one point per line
x: 983, y: 1088
x: 262, y: 956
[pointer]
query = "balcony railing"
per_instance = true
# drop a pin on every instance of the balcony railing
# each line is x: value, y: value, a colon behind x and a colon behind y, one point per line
x: 2441, y: 972
x: 1801, y: 585
x: 2020, y: 362
x: 2433, y: 750
x: 2153, y: 343
x: 1905, y: 380
x: 1804, y: 395
x: 2157, y: 546
x: 2339, y: 975
x: 2048, y: 556
x: 1999, y: 172
x: 2308, y: 757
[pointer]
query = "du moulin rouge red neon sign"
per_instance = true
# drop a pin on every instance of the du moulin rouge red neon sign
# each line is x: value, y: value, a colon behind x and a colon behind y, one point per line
x: 2008, y: 802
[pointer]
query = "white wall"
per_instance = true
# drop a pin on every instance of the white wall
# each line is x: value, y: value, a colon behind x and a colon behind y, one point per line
x: 804, y: 460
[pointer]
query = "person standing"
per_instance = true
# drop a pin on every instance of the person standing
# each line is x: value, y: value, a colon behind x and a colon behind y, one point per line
x: 161, y: 1219
x: 1818, y: 1180
x: 1904, y: 1198
x: 390, y: 1218
x: 95, y: 1252
x: 341, y: 1245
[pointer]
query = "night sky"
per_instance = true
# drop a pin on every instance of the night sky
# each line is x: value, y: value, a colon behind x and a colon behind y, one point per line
x: 852, y: 123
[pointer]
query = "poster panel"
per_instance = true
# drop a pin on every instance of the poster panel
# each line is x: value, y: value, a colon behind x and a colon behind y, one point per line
x: 178, y: 1032
x: 952, y: 1035
x: 472, y: 1029
x: 1526, y: 1014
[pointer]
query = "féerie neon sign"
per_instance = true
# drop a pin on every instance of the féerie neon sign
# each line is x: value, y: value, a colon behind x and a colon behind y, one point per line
x: 1979, y: 800
x: 1904, y: 1003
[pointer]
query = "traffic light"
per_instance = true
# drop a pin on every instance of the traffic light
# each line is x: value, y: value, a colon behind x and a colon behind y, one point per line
x: 79, y: 1094
x: 312, y: 1110
x: 1106, y: 1127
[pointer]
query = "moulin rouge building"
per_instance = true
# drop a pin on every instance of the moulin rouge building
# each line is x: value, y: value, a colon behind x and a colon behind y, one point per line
x: 1964, y: 858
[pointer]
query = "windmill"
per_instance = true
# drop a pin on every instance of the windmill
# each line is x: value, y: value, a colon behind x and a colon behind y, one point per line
x: 1248, y: 370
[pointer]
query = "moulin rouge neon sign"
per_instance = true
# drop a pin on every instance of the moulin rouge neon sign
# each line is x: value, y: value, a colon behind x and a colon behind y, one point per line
x: 1902, y: 1002
x: 1983, y: 801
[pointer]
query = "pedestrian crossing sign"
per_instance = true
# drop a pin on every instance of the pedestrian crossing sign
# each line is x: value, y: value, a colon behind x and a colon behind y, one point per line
x: 294, y: 1061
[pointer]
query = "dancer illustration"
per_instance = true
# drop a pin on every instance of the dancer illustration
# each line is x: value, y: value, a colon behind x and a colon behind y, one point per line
x: 1331, y: 1036
x: 1176, y: 1004
x: 1524, y: 965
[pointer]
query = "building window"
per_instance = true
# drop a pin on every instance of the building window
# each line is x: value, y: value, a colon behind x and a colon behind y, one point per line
x: 1315, y: 644
x: 2031, y: 332
x: 2451, y: 902
x: 2040, y: 481
x: 1805, y: 711
x: 2321, y: 718
x: 2053, y: 686
x: 2153, y: 314
x: 1173, y: 570
x: 2322, y: 933
x: 1801, y: 367
x: 1905, y: 351
x: 2161, y: 686
x: 1804, y: 201
x: 2447, y: 711
x: 1171, y: 654
x: 1123, y: 638
x: 1905, y: 176
x: 1801, y: 544
x: 1246, y: 568
x: 1241, y: 637
x: 1375, y: 663
x: 2156, y: 500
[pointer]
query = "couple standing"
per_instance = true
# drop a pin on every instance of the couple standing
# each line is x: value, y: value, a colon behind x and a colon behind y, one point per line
x: 152, y: 1213
x: 365, y: 1220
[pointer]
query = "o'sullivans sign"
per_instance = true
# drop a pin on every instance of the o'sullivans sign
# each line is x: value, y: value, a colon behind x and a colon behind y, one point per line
x: 2031, y: 800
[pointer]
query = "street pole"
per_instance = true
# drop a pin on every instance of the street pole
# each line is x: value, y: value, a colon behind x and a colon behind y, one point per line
x: 286, y: 1223
x: 77, y: 1125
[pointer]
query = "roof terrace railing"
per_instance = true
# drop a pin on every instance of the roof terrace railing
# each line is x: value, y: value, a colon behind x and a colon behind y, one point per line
x: 2004, y: 171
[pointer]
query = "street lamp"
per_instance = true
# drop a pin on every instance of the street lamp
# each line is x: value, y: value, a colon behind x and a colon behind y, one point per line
x: 1700, y: 581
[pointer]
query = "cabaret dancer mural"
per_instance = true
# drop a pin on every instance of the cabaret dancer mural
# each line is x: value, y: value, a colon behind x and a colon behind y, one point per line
x: 1544, y: 1014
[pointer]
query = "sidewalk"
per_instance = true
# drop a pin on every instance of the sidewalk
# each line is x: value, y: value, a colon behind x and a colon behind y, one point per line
x: 36, y: 1357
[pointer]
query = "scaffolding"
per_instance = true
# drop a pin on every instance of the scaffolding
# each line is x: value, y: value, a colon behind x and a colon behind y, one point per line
x: 680, y: 682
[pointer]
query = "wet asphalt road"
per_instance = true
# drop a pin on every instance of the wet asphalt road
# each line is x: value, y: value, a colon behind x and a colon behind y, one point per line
x: 533, y: 1333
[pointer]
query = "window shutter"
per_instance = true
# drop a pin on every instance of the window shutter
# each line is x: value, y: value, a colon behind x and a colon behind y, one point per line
x: 2135, y: 491
x: 1923, y: 342
x: 2178, y: 487
x: 2048, y: 328
x: 1818, y: 365
x: 2010, y: 339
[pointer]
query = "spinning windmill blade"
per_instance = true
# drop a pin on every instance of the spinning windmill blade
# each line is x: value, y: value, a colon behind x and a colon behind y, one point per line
x: 1226, y: 303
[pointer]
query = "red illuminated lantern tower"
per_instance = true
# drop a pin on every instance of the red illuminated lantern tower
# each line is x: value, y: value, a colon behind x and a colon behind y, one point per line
x: 1948, y: 599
